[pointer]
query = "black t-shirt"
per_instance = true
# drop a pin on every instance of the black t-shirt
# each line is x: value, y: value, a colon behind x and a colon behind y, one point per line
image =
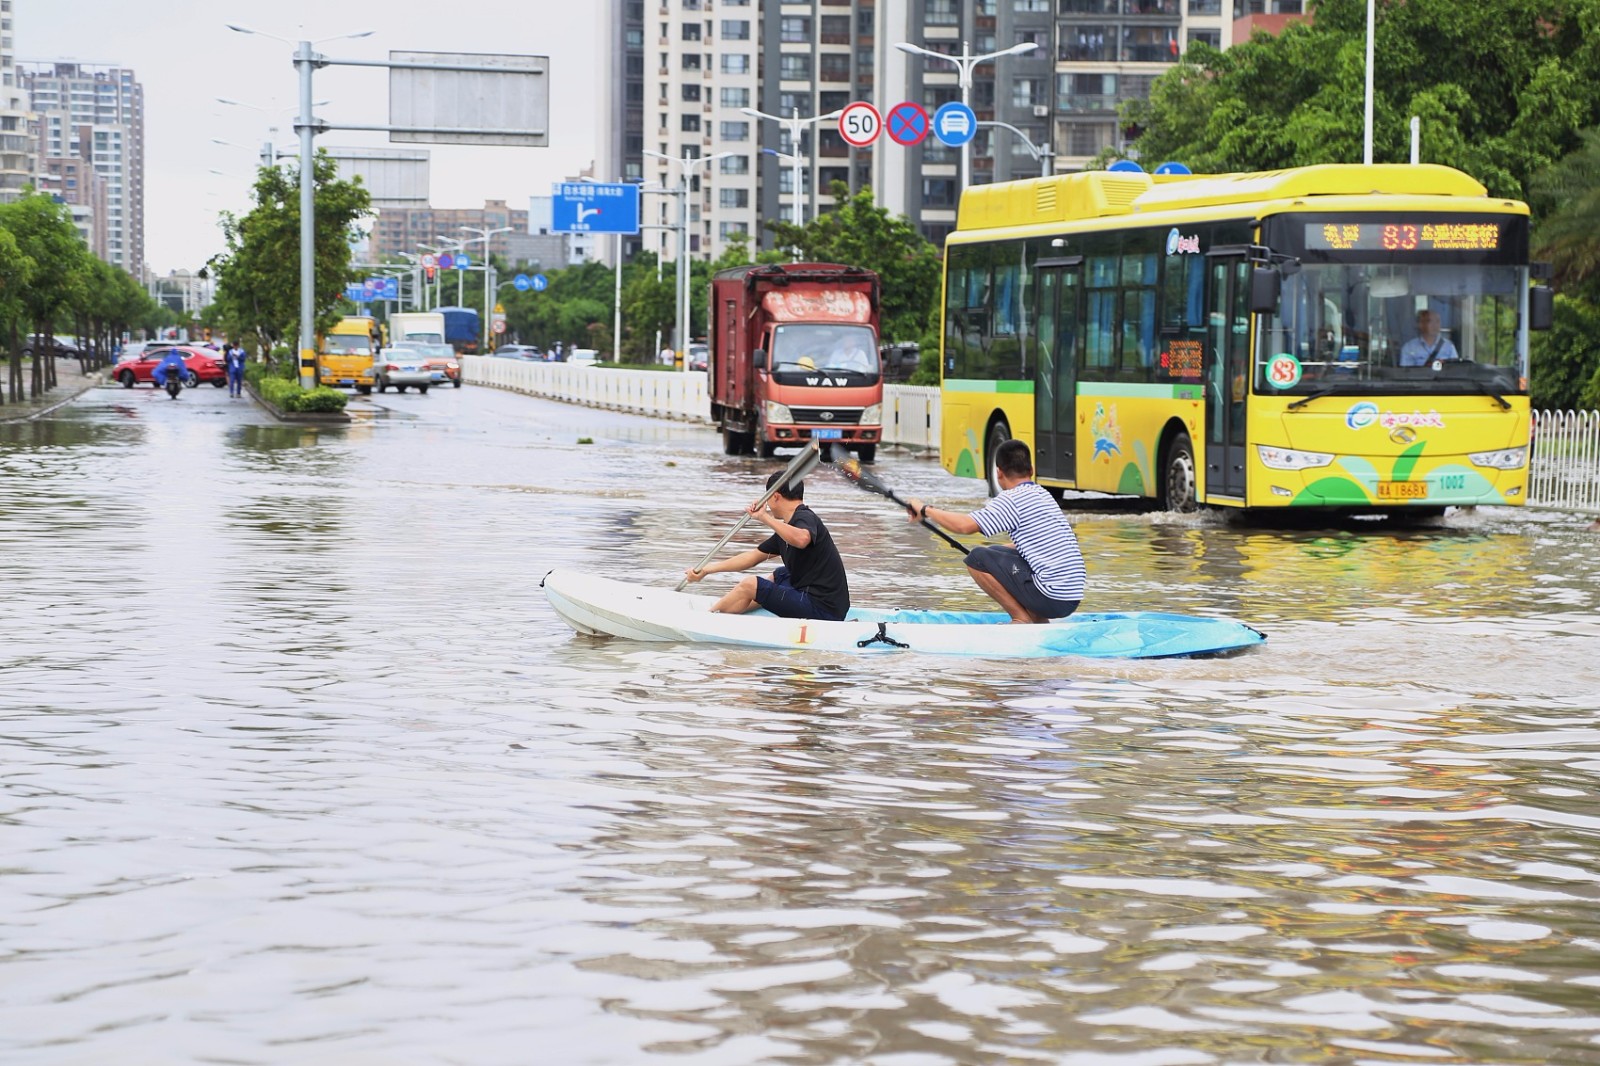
x: 815, y: 569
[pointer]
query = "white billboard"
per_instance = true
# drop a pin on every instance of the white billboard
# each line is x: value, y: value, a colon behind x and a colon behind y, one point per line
x: 395, y: 177
x: 469, y: 98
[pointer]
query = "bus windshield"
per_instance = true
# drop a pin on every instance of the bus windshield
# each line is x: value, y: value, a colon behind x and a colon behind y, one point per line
x: 1398, y: 304
x: 838, y: 349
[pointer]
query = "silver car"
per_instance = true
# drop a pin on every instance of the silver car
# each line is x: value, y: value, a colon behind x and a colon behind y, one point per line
x: 401, y: 365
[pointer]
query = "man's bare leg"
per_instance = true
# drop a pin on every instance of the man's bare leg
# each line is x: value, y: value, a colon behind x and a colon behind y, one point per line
x: 739, y: 599
x: 1002, y: 595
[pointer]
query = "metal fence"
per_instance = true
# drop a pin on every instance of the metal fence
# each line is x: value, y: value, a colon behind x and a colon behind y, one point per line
x: 910, y: 414
x: 1566, y: 461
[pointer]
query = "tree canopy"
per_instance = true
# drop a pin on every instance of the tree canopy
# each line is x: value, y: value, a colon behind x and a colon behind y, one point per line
x: 1503, y: 89
x: 258, y: 287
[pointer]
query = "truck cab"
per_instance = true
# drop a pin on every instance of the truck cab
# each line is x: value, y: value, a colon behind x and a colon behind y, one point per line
x: 794, y: 358
x: 346, y: 353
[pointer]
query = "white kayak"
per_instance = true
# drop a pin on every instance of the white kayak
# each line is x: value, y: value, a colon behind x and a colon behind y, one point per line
x: 599, y: 606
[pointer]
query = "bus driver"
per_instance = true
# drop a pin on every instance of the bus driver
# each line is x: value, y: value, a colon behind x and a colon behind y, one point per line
x: 1428, y: 344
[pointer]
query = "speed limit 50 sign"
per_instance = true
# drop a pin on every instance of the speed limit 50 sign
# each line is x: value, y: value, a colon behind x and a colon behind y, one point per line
x: 860, y: 124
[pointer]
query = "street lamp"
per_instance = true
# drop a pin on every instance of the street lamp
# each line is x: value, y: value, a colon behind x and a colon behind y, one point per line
x: 488, y: 272
x: 305, y: 63
x: 793, y: 125
x: 269, y: 151
x: 964, y: 64
x: 1042, y: 153
x: 687, y: 163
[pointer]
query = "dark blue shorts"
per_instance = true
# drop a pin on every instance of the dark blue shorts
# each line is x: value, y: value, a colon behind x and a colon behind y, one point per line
x: 786, y: 601
x: 1012, y: 571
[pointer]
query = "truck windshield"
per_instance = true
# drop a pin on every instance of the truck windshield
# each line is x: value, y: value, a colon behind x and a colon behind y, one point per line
x: 840, y: 349
x: 348, y: 344
x: 1391, y: 328
x: 423, y: 338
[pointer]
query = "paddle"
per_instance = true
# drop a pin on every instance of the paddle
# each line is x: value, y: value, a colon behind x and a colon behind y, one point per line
x: 802, y: 464
x: 851, y: 469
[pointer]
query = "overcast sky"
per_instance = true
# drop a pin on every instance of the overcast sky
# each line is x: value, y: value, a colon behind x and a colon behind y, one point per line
x: 184, y: 55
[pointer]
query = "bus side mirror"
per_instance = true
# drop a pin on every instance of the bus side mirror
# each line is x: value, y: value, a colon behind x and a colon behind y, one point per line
x: 1541, y: 307
x: 1266, y: 284
x: 759, y: 358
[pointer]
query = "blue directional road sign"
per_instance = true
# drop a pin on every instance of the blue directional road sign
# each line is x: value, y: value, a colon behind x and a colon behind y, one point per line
x: 383, y: 288
x: 954, y: 123
x: 522, y: 282
x: 357, y: 293
x: 462, y: 262
x: 539, y: 283
x: 594, y: 207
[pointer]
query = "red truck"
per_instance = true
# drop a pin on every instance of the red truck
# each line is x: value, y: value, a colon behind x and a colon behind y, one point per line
x: 794, y: 357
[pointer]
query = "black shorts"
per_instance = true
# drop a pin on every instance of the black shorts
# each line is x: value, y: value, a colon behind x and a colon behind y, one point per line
x: 1009, y: 567
x: 786, y: 601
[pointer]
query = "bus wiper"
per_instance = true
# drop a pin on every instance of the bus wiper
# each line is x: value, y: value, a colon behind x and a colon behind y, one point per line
x: 1492, y: 394
x: 1326, y: 390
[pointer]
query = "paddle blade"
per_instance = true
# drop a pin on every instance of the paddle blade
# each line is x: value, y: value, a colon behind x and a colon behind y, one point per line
x: 854, y: 471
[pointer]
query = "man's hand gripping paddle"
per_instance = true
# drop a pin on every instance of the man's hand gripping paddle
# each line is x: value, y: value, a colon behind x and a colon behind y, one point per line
x: 808, y: 460
x: 852, y: 470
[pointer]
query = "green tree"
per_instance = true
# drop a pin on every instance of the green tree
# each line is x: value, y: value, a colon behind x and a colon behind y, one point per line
x: 859, y: 233
x: 258, y: 288
x: 1503, y: 88
x: 44, y: 233
x: 16, y: 271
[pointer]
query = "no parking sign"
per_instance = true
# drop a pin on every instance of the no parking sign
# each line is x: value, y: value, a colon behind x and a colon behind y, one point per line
x: 908, y: 123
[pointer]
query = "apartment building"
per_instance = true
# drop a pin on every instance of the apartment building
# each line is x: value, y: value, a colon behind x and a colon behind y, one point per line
x: 405, y: 229
x: 97, y: 114
x: 18, y: 148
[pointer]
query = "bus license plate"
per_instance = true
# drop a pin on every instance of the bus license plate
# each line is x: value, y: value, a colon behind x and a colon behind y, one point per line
x: 827, y: 434
x: 1402, y: 490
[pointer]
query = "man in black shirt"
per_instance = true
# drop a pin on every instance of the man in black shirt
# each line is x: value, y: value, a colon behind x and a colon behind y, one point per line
x: 810, y: 583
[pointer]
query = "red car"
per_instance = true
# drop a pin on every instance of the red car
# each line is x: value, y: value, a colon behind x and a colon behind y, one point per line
x: 204, y: 363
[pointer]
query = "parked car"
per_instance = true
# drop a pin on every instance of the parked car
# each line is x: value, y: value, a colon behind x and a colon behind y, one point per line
x: 60, y: 346
x: 203, y: 363
x: 583, y: 357
x: 699, y: 356
x: 439, y: 360
x: 519, y: 351
x: 402, y: 367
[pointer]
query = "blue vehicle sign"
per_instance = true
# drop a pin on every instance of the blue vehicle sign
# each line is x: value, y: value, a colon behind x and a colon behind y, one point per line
x: 827, y: 434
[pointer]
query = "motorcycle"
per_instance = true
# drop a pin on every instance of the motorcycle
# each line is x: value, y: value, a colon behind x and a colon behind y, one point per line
x: 174, y: 384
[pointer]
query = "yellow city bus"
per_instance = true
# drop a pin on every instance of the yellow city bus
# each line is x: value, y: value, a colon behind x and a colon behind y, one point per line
x: 1245, y: 340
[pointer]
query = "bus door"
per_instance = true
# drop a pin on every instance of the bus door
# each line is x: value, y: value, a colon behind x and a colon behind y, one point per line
x: 1055, y: 390
x: 1227, y: 370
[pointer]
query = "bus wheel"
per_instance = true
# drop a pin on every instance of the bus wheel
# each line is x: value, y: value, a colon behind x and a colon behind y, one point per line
x: 1178, y: 486
x: 999, y: 433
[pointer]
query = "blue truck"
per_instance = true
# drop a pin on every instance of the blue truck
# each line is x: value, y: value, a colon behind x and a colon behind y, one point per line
x: 463, y: 329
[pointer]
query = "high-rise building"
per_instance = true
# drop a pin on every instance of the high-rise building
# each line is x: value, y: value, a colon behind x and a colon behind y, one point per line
x: 97, y: 114
x: 618, y: 152
x: 19, y: 160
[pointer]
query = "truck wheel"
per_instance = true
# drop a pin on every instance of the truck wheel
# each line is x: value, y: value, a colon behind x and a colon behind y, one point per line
x: 732, y: 441
x: 999, y: 433
x: 766, y: 448
x: 867, y: 452
x: 365, y: 390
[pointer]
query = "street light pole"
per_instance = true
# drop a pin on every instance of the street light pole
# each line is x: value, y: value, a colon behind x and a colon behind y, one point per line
x: 488, y: 272
x: 964, y: 64
x: 1042, y: 153
x: 793, y: 124
x: 687, y: 163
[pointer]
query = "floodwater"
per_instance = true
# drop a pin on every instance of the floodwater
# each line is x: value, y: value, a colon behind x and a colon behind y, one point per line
x: 299, y: 767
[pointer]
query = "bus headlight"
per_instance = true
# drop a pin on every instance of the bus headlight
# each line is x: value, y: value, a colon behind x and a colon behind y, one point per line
x: 872, y: 414
x: 1289, y: 459
x: 1504, y: 459
x: 779, y: 412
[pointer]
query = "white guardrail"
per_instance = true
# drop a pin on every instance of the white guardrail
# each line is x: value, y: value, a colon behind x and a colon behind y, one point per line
x: 1566, y: 455
x: 1566, y: 461
x: 910, y: 413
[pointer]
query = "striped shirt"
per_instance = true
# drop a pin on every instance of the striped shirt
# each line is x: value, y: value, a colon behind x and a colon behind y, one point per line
x: 1042, y: 535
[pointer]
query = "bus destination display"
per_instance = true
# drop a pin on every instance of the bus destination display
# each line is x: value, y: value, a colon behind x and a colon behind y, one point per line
x: 1403, y: 236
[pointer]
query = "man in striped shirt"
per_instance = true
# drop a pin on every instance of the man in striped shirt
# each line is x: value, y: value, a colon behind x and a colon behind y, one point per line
x: 1043, y: 576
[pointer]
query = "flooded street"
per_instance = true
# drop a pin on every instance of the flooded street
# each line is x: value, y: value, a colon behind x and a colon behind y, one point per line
x: 301, y: 768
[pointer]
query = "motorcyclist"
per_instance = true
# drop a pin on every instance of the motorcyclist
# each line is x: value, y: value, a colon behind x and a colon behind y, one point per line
x: 171, y: 363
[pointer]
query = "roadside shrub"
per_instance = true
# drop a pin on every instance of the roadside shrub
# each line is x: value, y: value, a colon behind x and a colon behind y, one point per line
x: 289, y: 396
